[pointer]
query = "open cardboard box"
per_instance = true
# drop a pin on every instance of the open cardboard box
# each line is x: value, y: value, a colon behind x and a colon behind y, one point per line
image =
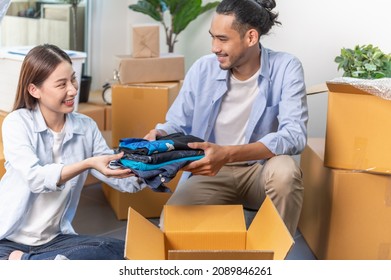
x: 208, y: 232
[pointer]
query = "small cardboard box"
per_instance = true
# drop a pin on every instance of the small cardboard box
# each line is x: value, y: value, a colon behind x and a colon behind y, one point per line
x: 165, y: 68
x: 136, y: 109
x: 208, y: 232
x: 357, y: 134
x: 96, y: 98
x: 146, y: 40
x: 346, y: 214
x: 97, y: 113
x: 146, y: 202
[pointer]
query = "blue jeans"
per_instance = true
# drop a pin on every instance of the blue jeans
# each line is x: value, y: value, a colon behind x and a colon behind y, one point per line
x: 73, y: 247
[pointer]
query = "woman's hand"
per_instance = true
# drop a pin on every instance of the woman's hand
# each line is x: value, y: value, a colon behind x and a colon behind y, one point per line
x: 101, y: 164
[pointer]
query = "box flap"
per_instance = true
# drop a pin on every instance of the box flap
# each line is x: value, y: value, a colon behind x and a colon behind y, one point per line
x: 269, y: 232
x: 315, y: 89
x: 144, y: 241
x: 344, y: 88
x: 219, y: 255
x: 317, y: 145
x: 204, y: 227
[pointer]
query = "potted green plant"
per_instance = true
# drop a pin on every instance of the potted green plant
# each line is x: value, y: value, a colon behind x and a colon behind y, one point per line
x: 364, y: 62
x: 181, y: 13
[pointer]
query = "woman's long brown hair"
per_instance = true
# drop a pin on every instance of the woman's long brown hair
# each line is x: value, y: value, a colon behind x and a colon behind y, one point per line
x: 37, y: 66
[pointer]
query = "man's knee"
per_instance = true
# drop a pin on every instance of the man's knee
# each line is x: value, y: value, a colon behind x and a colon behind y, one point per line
x: 283, y: 174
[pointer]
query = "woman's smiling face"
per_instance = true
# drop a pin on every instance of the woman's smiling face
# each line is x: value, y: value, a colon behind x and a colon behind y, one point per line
x: 57, y: 93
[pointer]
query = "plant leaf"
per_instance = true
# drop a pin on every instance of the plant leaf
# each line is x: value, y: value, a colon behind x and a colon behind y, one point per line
x: 151, y: 8
x: 365, y: 61
x: 184, y: 11
x: 187, y: 13
x: 209, y: 6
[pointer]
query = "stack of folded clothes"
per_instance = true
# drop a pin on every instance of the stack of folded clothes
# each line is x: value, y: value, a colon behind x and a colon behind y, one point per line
x: 157, y: 162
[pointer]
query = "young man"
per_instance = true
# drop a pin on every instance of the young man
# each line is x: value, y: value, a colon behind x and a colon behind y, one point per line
x: 249, y: 104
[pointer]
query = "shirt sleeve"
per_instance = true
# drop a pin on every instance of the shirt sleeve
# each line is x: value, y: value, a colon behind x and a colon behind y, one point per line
x: 100, y: 147
x: 291, y: 135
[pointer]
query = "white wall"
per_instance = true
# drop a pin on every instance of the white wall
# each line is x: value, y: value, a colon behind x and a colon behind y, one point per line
x: 314, y: 31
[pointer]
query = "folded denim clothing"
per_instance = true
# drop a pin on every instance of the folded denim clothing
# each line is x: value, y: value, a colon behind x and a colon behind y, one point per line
x: 157, y: 162
x: 138, y: 165
x: 157, y: 178
x: 175, y: 141
x: 160, y: 157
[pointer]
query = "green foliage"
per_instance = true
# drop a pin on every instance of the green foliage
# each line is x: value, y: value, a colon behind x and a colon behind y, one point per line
x: 365, y: 62
x: 181, y: 12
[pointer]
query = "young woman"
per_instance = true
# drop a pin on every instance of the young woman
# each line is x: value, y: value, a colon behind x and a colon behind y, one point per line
x: 49, y: 150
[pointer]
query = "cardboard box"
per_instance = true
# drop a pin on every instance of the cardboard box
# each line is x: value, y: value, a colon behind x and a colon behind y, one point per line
x: 316, y: 89
x: 357, y: 137
x: 202, y: 231
x: 97, y: 113
x: 10, y: 63
x: 95, y: 98
x: 146, y: 41
x: 136, y: 109
x: 346, y: 214
x: 165, y: 68
x: 108, y: 119
x: 146, y: 202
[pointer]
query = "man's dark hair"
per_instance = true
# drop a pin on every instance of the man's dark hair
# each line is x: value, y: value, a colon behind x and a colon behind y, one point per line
x: 249, y: 14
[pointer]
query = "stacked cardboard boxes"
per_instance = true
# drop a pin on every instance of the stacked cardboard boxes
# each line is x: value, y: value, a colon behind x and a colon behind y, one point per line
x: 147, y: 64
x: 347, y: 199
x: 149, y: 82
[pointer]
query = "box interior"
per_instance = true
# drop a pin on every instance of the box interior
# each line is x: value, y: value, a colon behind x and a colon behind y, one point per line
x: 202, y: 236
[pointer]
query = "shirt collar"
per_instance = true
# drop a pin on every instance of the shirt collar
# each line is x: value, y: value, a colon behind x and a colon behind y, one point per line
x: 71, y: 125
x: 264, y: 63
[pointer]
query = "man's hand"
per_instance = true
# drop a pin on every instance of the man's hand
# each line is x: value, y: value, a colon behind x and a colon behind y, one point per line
x: 215, y: 157
x: 154, y: 133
